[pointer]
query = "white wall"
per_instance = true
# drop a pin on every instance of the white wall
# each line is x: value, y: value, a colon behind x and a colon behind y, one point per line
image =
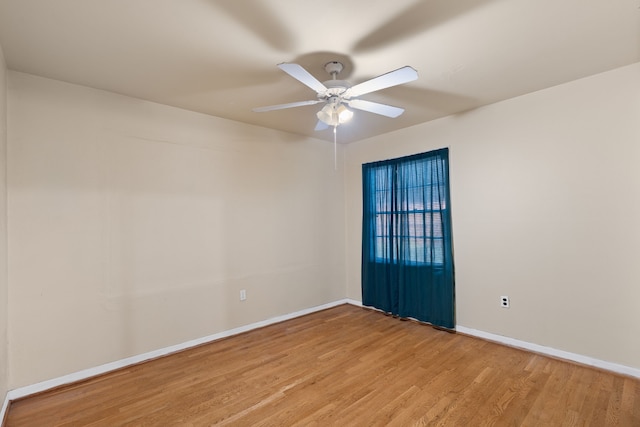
x: 4, y: 369
x: 546, y: 207
x: 133, y: 226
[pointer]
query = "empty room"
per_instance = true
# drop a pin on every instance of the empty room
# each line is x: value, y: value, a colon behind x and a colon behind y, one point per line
x: 338, y: 213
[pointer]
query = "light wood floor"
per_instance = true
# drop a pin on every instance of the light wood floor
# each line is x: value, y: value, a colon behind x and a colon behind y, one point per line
x: 346, y: 366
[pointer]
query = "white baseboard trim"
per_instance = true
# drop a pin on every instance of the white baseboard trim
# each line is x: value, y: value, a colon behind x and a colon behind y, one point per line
x: 549, y: 351
x: 102, y: 369
x: 353, y: 302
x: 3, y: 411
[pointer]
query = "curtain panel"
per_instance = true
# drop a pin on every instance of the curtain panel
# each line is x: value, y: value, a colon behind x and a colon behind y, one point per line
x: 407, y: 253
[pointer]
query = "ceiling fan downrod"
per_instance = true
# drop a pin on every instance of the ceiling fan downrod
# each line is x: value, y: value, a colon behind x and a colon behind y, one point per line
x: 333, y: 68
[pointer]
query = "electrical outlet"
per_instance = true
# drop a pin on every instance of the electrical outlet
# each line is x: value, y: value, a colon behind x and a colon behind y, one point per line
x: 243, y: 294
x: 504, y: 301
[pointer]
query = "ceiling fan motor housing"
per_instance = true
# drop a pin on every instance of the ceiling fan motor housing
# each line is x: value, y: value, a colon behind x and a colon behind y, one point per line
x: 334, y: 88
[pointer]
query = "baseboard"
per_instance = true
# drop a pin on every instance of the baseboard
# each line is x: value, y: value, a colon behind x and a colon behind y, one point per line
x: 353, y: 302
x: 3, y: 411
x: 549, y: 351
x: 108, y: 367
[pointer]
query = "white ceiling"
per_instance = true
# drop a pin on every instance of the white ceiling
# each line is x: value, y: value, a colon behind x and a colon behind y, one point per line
x: 219, y: 57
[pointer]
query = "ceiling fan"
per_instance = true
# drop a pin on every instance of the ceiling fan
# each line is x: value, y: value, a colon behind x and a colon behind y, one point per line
x: 340, y: 94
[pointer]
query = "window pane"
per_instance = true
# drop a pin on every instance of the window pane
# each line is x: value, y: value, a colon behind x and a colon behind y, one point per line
x: 382, y: 249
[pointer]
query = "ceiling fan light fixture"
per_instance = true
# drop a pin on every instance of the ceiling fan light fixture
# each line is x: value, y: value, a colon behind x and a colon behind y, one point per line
x: 328, y: 116
x: 344, y: 114
x: 334, y: 116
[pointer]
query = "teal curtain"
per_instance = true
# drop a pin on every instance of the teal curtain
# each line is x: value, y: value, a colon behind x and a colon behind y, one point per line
x: 407, y: 253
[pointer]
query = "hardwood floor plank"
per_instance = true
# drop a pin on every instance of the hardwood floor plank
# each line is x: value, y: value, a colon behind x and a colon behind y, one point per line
x: 342, y: 366
x: 629, y: 414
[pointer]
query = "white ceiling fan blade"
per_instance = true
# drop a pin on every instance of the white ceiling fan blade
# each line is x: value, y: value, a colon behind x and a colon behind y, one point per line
x: 283, y: 106
x: 376, y: 107
x: 393, y: 78
x: 303, y: 76
x: 321, y: 125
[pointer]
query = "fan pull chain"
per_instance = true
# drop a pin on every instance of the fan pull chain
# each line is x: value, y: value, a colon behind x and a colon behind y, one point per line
x: 335, y: 147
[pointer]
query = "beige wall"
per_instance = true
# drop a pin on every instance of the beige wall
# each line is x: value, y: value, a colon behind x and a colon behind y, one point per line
x: 133, y: 226
x: 4, y: 308
x: 546, y: 207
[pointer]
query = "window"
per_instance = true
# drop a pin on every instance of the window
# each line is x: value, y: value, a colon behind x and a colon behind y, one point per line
x: 407, y: 204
